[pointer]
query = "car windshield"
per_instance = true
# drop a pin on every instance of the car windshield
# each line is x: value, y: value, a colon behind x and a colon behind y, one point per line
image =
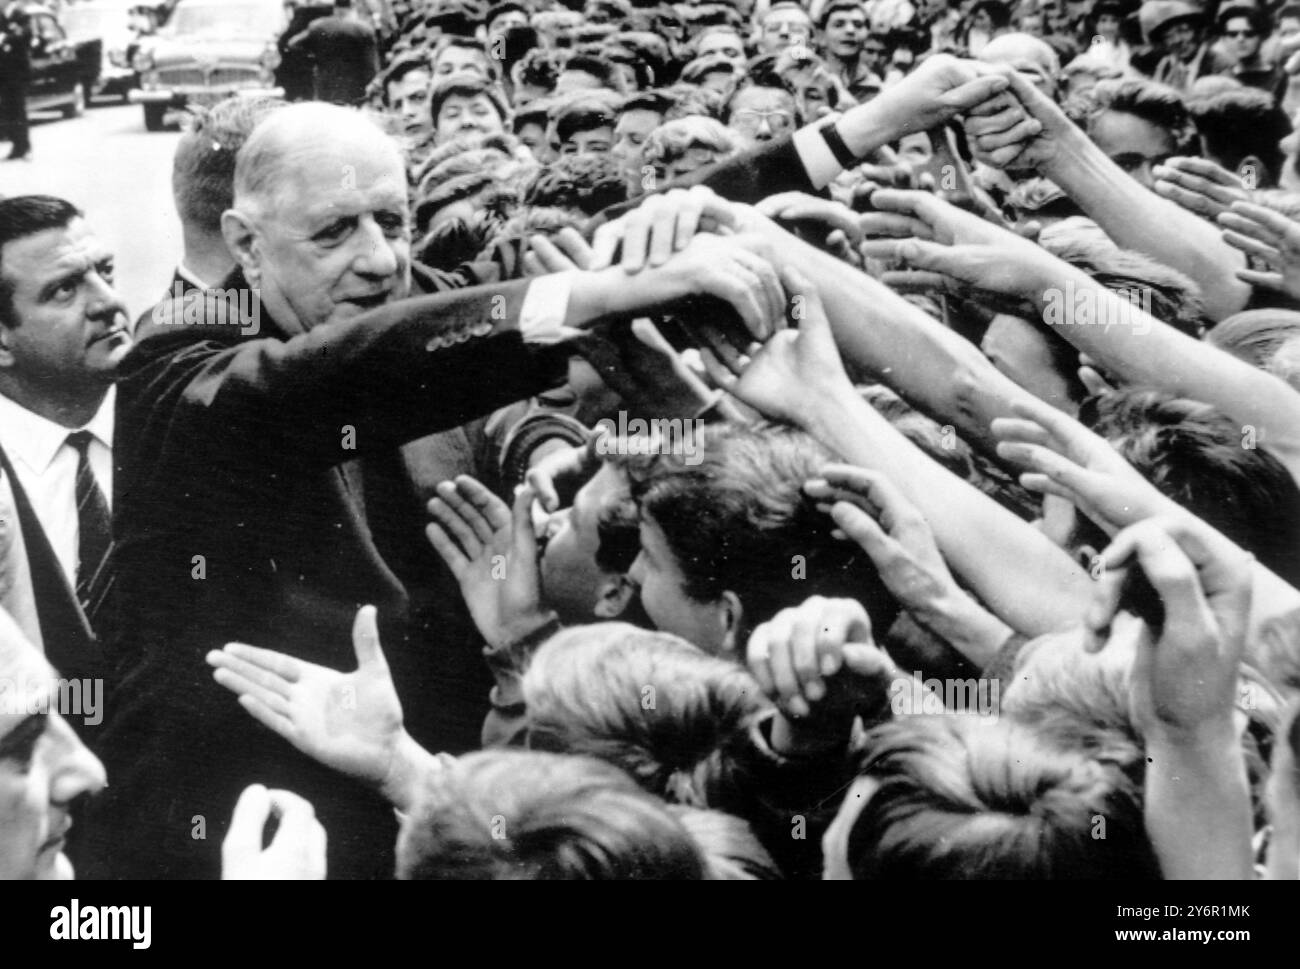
x: 226, y: 20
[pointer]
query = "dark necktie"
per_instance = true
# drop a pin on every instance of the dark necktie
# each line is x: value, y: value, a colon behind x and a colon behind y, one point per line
x: 94, y: 527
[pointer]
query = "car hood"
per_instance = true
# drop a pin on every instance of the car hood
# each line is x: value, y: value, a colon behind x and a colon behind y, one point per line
x: 168, y: 52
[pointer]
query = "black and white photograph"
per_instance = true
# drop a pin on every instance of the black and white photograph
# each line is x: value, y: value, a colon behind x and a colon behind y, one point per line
x: 470, y: 440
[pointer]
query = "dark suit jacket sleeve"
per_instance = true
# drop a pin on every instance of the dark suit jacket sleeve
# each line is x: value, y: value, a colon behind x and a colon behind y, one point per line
x: 338, y: 392
x: 749, y: 177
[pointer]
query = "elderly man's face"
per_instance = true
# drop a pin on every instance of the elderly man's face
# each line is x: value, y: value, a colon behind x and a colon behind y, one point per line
x: 460, y: 115
x: 43, y: 766
x: 336, y: 242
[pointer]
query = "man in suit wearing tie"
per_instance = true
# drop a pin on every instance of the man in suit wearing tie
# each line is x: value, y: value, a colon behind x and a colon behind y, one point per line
x: 63, y: 333
x: 261, y: 494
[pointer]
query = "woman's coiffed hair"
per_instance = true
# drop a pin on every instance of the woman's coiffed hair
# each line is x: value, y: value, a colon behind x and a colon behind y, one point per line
x: 673, y: 139
x: 1256, y: 336
x: 968, y: 797
x: 647, y: 702
x: 738, y: 520
x: 527, y: 815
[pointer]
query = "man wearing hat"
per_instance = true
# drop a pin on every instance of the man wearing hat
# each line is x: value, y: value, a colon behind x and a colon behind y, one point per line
x: 1175, y: 27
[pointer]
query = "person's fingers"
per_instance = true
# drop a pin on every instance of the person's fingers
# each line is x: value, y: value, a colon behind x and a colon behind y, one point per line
x: 721, y: 348
x: 803, y: 654
x: 664, y: 226
x: 1012, y: 118
x: 1193, y: 202
x: 1094, y: 382
x: 859, y: 527
x: 892, y: 225
x: 1275, y: 222
x: 1270, y: 254
x: 268, y: 683
x: 1017, y: 429
x: 745, y: 291
x: 277, y: 723
x: 900, y: 201
x: 1043, y: 485
x: 1195, y: 166
x: 1169, y: 570
x: 450, y: 519
x: 1250, y: 227
x: 240, y: 685
x: 1269, y: 281
x: 1041, y: 460
x: 604, y: 244
x: 758, y: 658
x: 467, y: 511
x: 715, y: 369
x: 782, y: 668
x: 493, y: 510
x: 570, y: 242
x: 973, y: 93
x: 551, y: 258
x: 288, y: 668
x: 770, y: 289
x: 244, y: 837
x: 524, y: 539
x: 995, y: 105
x: 533, y: 265
x: 688, y: 219
x: 447, y: 549
x: 868, y: 661
x: 1064, y: 431
x: 637, y: 226
x: 541, y: 482
x: 914, y: 281
x: 365, y: 638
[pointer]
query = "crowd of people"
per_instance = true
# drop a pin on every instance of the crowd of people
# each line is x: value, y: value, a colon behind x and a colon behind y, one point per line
x: 621, y: 440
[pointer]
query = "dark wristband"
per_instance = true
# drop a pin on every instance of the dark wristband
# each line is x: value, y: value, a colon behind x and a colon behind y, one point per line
x: 831, y: 135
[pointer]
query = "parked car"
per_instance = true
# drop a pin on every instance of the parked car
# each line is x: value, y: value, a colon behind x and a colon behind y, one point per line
x: 122, y: 26
x: 207, y: 51
x: 64, y: 72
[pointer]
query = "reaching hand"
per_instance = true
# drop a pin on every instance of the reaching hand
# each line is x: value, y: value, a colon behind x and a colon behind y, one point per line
x: 948, y: 248
x: 800, y: 207
x: 1064, y: 458
x: 351, y: 722
x: 660, y: 226
x: 1199, y: 185
x: 819, y: 660
x: 785, y: 377
x: 296, y: 853
x: 989, y: 139
x: 1185, y: 674
x: 492, y: 552
x: 642, y: 367
x: 1271, y: 236
x: 563, y: 470
x: 566, y: 250
x: 940, y: 89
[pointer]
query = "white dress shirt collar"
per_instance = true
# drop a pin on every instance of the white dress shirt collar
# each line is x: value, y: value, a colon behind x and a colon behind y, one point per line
x: 35, y: 440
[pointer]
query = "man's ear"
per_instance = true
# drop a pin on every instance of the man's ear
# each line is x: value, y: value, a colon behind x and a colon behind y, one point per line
x: 242, y: 240
x: 6, y: 354
x: 614, y: 594
x: 731, y: 617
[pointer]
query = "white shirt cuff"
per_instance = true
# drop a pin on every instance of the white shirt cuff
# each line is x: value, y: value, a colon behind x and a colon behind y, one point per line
x: 546, y: 304
x: 816, y: 155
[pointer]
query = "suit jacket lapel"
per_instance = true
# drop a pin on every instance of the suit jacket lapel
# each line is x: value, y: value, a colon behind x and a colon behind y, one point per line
x: 70, y: 644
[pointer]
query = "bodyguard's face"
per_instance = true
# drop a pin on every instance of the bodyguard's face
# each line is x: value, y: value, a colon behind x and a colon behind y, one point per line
x: 337, y: 242
x: 72, y: 328
x: 43, y: 768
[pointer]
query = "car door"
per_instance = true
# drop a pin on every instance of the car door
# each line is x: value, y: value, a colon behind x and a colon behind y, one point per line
x: 54, y: 62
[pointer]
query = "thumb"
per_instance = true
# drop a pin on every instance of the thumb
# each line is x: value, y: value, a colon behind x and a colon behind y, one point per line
x: 244, y: 837
x: 934, y: 256
x: 365, y: 637
x: 523, y: 543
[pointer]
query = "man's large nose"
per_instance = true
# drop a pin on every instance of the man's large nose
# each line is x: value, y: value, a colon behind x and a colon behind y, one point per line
x: 105, y: 302
x: 376, y: 257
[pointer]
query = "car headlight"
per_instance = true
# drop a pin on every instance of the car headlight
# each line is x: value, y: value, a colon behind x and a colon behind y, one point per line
x: 143, y: 61
x: 270, y: 58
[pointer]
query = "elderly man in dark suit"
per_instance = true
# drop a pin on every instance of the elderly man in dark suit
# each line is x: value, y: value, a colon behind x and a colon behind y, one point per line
x: 262, y: 496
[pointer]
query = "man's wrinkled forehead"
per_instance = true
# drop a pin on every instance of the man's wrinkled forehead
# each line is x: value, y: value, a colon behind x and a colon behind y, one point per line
x: 313, y: 179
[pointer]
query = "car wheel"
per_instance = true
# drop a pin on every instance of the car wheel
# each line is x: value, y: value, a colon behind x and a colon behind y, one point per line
x: 78, y: 106
x: 153, y: 116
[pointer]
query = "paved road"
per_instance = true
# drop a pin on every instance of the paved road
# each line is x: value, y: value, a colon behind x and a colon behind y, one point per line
x: 120, y: 176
